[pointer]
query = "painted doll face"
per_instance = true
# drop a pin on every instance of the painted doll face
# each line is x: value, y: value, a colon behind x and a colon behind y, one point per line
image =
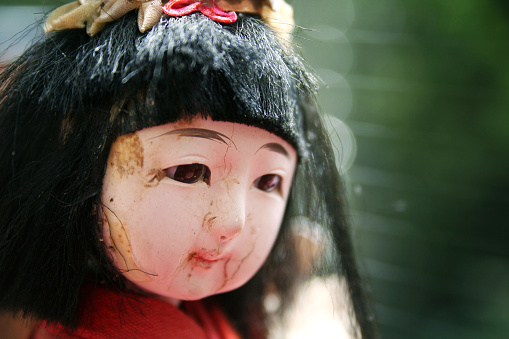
x: 193, y: 209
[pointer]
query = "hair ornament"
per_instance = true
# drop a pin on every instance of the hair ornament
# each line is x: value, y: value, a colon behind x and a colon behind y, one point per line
x: 94, y: 14
x: 184, y: 7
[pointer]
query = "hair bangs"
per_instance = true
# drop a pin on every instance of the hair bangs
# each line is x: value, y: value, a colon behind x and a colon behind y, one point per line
x: 183, y: 68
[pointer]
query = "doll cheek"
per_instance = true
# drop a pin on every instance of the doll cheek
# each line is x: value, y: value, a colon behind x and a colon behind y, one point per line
x: 116, y: 240
x: 125, y: 159
x: 126, y: 155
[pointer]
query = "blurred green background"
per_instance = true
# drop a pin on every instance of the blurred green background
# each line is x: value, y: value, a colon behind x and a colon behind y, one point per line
x: 424, y: 86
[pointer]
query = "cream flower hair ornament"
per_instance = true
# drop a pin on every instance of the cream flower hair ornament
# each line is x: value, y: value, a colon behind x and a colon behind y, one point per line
x: 94, y: 14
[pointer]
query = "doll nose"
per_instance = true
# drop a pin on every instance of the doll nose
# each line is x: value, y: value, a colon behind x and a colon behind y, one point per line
x: 227, y: 230
x: 229, y: 216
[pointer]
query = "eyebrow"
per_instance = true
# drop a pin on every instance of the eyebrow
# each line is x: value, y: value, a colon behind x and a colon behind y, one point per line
x: 199, y: 133
x: 275, y: 147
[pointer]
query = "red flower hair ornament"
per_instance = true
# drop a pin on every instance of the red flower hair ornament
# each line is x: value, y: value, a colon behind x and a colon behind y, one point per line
x: 185, y: 7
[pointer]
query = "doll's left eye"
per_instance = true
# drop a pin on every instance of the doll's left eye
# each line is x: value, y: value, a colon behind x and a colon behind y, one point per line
x: 189, y: 174
x: 268, y: 183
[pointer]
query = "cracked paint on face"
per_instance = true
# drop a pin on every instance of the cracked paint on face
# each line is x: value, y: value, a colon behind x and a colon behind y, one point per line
x: 199, y: 213
x: 118, y: 244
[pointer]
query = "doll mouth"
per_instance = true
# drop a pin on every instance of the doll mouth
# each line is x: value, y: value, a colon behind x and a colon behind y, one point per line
x: 205, y: 259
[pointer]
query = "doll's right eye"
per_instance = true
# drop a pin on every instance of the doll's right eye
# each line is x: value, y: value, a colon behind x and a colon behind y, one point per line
x: 189, y: 174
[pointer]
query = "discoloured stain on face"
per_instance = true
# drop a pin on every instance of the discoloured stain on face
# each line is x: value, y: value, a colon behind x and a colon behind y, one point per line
x: 126, y: 155
x: 157, y: 175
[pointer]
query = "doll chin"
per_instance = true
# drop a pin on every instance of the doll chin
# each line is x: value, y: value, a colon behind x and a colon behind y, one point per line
x: 192, y: 288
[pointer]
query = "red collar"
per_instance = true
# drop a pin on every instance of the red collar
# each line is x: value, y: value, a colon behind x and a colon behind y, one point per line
x: 127, y: 315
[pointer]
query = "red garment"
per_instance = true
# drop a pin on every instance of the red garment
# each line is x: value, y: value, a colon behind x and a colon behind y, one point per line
x: 113, y: 315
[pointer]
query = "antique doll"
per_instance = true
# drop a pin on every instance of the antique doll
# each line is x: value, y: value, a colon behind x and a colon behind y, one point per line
x: 165, y: 173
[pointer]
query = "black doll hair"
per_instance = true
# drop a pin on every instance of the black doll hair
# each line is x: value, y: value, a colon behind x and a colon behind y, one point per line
x: 68, y: 97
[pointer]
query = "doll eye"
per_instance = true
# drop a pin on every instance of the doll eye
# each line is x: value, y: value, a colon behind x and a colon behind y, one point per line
x: 189, y: 174
x: 268, y: 183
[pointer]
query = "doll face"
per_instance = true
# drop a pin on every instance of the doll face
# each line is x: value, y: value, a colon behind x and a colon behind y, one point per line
x: 193, y: 209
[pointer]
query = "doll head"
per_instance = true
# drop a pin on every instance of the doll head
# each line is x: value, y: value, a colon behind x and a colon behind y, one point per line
x: 192, y: 209
x: 83, y: 116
